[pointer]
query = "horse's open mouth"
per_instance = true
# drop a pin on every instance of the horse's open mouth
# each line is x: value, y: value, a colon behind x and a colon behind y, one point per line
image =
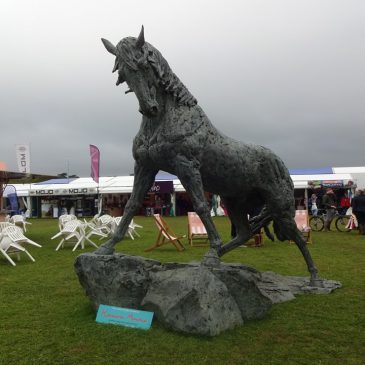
x: 149, y: 112
x: 120, y: 80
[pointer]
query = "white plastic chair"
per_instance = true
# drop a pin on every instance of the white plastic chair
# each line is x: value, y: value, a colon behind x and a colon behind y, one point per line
x: 73, y: 229
x: 7, y: 246
x: 92, y: 229
x: 104, y: 223
x: 12, y: 240
x: 20, y: 221
x: 16, y: 235
x: 131, y: 228
x: 63, y: 219
x: 4, y: 225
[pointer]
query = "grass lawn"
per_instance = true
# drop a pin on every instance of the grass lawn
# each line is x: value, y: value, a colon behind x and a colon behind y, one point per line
x: 45, y: 317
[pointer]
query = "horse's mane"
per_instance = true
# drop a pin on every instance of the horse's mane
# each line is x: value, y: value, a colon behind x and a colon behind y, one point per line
x: 150, y: 55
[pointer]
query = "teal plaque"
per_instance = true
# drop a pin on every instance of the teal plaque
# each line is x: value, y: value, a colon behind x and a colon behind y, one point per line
x: 124, y: 317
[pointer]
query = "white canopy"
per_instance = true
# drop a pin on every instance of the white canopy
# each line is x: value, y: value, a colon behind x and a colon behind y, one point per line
x: 124, y: 185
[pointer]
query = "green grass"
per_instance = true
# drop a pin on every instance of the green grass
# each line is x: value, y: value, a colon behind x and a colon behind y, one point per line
x: 45, y: 317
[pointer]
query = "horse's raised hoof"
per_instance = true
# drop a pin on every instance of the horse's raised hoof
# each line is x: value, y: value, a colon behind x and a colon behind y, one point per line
x: 104, y: 250
x: 211, y: 259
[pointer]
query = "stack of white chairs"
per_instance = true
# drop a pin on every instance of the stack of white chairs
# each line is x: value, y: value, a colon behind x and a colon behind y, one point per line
x: 12, y: 240
x: 64, y: 218
x: 19, y: 221
x: 92, y: 229
x: 131, y: 228
x: 4, y: 225
x: 104, y: 222
x: 74, y: 231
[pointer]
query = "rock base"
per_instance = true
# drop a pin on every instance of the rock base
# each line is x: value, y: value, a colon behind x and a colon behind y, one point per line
x: 190, y: 298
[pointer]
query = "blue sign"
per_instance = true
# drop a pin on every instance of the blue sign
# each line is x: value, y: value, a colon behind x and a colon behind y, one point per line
x: 124, y: 317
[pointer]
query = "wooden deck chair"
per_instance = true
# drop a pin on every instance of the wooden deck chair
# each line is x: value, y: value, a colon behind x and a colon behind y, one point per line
x: 196, y: 230
x: 257, y: 240
x: 165, y: 235
x: 302, y: 221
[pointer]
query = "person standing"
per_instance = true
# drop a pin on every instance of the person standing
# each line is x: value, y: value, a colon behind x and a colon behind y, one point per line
x: 345, y: 204
x: 314, y: 208
x: 358, y: 208
x: 329, y: 203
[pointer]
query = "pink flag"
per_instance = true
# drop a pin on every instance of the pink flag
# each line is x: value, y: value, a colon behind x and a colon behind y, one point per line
x: 95, y: 162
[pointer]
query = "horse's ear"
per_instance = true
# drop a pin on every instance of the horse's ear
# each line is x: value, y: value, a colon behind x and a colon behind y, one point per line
x: 140, y: 41
x: 109, y: 46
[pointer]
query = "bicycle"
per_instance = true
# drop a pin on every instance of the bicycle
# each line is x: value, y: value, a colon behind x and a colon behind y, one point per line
x: 340, y: 220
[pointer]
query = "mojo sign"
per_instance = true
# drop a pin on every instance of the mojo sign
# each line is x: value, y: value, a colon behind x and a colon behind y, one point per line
x: 68, y: 191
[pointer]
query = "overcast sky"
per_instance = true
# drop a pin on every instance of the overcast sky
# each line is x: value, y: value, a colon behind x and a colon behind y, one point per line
x: 286, y: 74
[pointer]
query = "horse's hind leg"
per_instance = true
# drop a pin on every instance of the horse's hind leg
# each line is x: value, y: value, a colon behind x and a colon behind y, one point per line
x: 238, y: 217
x: 287, y: 229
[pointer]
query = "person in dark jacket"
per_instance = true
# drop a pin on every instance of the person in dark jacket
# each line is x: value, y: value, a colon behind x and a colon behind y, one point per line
x: 358, y: 208
x: 329, y: 203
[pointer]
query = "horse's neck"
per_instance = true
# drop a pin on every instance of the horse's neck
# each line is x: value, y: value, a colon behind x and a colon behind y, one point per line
x: 151, y: 125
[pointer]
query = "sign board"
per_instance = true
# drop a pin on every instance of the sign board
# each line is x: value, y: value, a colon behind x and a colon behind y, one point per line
x: 162, y: 187
x: 124, y: 317
x: 23, y: 157
x: 332, y: 183
x: 67, y: 191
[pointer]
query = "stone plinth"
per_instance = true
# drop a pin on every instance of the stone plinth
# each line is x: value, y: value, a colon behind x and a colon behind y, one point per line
x: 190, y: 298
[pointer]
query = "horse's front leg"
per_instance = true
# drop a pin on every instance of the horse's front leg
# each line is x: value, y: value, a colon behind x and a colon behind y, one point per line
x: 189, y: 175
x: 143, y: 180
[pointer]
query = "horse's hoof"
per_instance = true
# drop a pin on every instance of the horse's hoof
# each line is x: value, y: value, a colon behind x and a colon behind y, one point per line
x: 104, y: 250
x: 316, y: 283
x: 211, y: 259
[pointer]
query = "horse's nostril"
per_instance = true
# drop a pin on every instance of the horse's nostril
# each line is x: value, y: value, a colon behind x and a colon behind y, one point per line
x: 154, y: 109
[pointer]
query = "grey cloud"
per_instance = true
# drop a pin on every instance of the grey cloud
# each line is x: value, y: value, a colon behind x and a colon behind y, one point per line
x: 287, y: 75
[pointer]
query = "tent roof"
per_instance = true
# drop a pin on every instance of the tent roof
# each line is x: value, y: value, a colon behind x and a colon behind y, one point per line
x: 124, y: 184
x: 311, y: 171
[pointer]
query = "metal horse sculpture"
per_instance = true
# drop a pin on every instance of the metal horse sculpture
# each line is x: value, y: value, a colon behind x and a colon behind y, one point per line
x: 176, y: 136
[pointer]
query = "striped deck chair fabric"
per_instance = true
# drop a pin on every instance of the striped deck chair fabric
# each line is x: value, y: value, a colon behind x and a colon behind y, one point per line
x: 196, y: 230
x: 165, y: 235
x: 302, y: 221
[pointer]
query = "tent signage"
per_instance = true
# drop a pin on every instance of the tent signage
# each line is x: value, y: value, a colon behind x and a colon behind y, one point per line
x: 332, y: 183
x: 162, y: 187
x: 68, y: 191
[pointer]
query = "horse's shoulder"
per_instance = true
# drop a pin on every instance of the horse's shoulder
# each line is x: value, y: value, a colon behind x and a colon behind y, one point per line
x: 183, y: 122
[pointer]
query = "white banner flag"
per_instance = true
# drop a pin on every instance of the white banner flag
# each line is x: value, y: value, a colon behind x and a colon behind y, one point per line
x: 23, y: 157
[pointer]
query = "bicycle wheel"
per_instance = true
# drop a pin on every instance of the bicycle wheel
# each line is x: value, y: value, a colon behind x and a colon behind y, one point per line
x: 316, y: 223
x: 341, y: 223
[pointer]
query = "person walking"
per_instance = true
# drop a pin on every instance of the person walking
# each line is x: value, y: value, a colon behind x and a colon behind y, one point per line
x: 358, y: 208
x: 329, y: 203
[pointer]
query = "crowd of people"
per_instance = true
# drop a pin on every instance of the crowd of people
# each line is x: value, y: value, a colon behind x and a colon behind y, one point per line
x: 330, y: 203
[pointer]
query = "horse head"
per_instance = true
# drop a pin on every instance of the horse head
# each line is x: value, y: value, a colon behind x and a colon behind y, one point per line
x: 132, y: 65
